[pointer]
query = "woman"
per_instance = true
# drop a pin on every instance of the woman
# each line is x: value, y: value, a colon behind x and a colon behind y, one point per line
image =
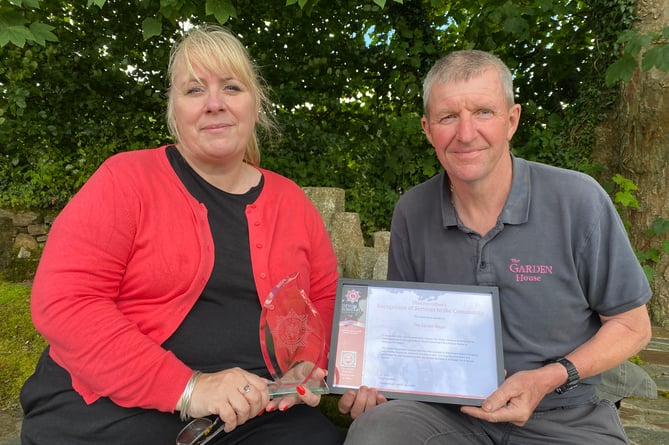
x: 150, y: 286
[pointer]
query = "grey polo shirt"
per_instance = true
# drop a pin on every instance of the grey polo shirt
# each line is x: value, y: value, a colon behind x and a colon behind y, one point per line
x: 559, y: 255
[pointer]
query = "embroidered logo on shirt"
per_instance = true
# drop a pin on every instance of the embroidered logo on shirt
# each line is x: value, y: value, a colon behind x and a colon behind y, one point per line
x: 525, y: 272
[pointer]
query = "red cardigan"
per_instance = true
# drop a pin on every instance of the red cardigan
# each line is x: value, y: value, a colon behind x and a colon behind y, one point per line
x: 128, y: 257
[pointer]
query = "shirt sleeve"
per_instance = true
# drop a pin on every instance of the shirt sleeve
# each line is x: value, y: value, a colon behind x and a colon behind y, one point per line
x: 609, y: 271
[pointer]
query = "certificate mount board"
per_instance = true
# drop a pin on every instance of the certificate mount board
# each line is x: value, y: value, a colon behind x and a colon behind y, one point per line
x: 417, y: 341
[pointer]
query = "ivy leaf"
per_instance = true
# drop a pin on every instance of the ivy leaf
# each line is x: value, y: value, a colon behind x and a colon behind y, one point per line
x: 621, y: 70
x: 98, y: 3
x: 381, y: 3
x: 151, y: 27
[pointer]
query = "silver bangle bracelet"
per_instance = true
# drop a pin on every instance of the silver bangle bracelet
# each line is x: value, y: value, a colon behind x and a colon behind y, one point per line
x: 184, y: 400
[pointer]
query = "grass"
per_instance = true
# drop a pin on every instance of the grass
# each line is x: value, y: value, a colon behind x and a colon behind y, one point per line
x: 20, y: 344
x: 328, y: 407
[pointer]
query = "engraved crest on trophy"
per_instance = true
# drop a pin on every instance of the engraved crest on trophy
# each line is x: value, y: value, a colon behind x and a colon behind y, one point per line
x: 292, y: 339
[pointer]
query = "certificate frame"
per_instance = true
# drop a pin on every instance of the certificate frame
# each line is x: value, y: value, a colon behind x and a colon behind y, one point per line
x: 427, y: 342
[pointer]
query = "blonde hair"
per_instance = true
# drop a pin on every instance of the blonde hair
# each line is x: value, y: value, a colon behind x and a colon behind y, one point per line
x: 463, y: 65
x: 216, y: 49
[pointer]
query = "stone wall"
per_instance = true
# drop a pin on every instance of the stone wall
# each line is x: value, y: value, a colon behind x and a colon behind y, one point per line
x: 355, y: 259
x: 24, y: 234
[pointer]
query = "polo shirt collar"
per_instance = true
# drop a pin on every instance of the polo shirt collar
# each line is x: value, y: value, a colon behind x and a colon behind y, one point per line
x: 517, y: 207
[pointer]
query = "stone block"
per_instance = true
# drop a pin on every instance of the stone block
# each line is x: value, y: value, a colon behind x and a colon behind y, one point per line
x: 360, y: 262
x: 23, y: 240
x: 345, y: 234
x: 381, y: 266
x: 381, y: 241
x: 24, y: 219
x: 328, y: 201
x: 37, y: 230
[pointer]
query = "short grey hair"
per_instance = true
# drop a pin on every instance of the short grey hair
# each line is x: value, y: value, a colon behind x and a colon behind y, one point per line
x: 463, y: 65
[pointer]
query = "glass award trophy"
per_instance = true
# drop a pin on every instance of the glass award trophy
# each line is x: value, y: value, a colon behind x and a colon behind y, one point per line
x: 292, y: 339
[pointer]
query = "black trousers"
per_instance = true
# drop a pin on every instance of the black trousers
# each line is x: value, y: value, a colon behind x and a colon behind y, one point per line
x: 55, y: 414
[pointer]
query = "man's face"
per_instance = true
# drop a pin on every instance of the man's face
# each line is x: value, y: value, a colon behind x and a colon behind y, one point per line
x: 469, y: 124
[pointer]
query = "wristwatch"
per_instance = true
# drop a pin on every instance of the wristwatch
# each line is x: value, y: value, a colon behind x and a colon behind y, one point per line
x: 572, y: 375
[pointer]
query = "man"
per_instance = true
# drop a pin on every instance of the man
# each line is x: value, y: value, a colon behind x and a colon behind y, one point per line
x: 572, y: 293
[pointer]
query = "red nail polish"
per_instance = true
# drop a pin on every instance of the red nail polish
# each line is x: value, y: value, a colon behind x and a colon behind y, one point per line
x: 300, y: 390
x: 262, y: 411
x: 270, y: 409
x: 283, y: 408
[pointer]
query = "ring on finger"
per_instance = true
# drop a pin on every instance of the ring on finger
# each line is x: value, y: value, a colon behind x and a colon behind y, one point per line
x: 246, y: 388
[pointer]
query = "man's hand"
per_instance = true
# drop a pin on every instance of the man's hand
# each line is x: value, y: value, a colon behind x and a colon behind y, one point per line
x: 517, y: 398
x: 356, y: 403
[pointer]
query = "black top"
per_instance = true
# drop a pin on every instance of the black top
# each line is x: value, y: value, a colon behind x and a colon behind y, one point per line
x: 221, y: 330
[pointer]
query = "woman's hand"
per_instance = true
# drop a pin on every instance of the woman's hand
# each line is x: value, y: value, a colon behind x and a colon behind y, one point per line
x: 303, y: 395
x: 234, y: 395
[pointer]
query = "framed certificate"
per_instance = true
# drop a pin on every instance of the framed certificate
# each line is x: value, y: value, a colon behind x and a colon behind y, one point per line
x: 418, y: 341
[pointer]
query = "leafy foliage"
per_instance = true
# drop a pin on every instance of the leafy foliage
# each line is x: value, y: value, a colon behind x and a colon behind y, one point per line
x: 652, y: 47
x: 346, y: 78
x: 16, y: 26
x: 658, y: 244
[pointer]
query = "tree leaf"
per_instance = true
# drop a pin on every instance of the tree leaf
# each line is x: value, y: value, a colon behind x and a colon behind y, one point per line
x: 663, y: 62
x: 651, y: 58
x: 18, y: 35
x: 151, y: 27
x: 660, y: 226
x: 221, y: 10
x: 621, y: 70
x: 627, y: 200
x: 633, y: 41
x: 42, y: 33
x: 11, y: 18
x: 98, y: 3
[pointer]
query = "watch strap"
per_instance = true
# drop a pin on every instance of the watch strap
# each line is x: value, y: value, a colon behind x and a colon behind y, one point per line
x: 573, y: 378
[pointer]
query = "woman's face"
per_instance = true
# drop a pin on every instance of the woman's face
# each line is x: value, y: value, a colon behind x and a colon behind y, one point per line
x: 215, y: 115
